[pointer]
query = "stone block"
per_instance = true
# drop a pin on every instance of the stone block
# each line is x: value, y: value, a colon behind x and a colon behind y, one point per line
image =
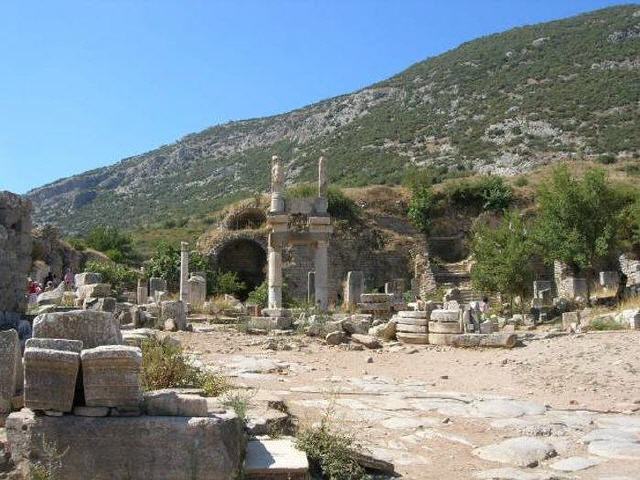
x: 412, y: 338
x: 445, y: 315
x: 493, y: 340
x: 132, y: 448
x: 366, y: 340
x: 275, y: 459
x: 10, y: 368
x: 111, y: 376
x: 175, y: 310
x: 357, y: 324
x: 444, y: 327
x: 53, y: 297
x: 270, y: 323
x: 172, y: 402
x: 403, y: 327
x: 411, y: 321
x: 197, y: 292
x: 631, y: 318
x: 91, y: 411
x: 375, y: 307
x: 574, y: 287
x: 87, y: 278
x: 375, y: 298
x: 55, y: 344
x: 50, y: 379
x: 417, y: 314
x: 569, y: 319
x: 441, y: 338
x: 91, y: 327
x: 103, y: 304
x: 336, y: 338
x: 94, y: 290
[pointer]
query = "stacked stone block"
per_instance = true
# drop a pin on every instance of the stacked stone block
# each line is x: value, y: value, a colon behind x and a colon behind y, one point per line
x: 378, y: 304
x: 444, y: 326
x: 412, y: 326
x: 10, y: 368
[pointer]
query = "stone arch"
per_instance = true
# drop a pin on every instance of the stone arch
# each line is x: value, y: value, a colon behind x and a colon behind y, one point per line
x: 247, y: 258
x: 246, y: 219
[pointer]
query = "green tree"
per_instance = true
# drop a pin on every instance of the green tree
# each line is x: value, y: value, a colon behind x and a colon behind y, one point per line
x: 578, y: 218
x: 118, y: 246
x: 503, y: 257
x: 421, y: 208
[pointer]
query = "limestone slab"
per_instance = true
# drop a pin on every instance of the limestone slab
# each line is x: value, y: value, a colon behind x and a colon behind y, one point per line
x: 444, y: 327
x: 615, y: 449
x: 520, y: 451
x: 111, y: 376
x: 441, y: 338
x: 403, y: 327
x: 445, y: 316
x: 91, y: 327
x: 10, y: 364
x: 132, y: 448
x: 275, y: 459
x: 411, y: 321
x: 413, y: 338
x: 55, y: 344
x: 417, y: 314
x: 574, y: 464
x: 50, y: 379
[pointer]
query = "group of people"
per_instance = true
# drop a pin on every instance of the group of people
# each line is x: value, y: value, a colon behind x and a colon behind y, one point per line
x: 50, y: 282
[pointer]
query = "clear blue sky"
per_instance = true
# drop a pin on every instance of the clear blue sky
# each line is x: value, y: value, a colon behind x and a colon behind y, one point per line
x: 86, y: 83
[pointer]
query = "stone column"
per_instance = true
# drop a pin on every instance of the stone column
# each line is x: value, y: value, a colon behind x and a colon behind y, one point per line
x: 275, y: 275
x: 277, y: 186
x: 321, y: 277
x: 322, y: 177
x: 184, y: 272
x: 142, y: 293
x: 311, y: 287
x: 354, y: 287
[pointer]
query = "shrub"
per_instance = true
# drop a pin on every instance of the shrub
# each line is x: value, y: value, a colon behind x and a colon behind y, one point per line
x: 521, y: 182
x: 607, y: 159
x: 260, y: 296
x: 602, y: 324
x: 77, y: 243
x: 488, y: 193
x: 330, y: 452
x: 118, y: 275
x: 164, y: 365
x: 421, y: 208
x: 340, y: 206
x: 228, y: 283
x: 116, y: 245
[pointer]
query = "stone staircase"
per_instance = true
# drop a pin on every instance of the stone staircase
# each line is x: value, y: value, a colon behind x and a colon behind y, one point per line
x: 450, y: 275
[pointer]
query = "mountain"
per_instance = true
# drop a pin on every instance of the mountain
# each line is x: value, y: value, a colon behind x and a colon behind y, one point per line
x: 505, y: 103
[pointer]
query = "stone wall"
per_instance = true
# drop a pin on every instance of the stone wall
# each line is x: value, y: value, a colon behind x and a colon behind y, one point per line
x: 15, y: 253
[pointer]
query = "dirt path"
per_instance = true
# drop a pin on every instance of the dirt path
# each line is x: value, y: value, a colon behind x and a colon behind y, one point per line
x: 434, y: 411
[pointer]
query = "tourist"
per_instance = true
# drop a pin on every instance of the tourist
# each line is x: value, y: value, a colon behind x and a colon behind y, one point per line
x: 69, y: 279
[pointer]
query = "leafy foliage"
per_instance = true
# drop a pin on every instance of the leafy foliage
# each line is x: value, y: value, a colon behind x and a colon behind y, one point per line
x: 117, y: 245
x: 503, y: 257
x: 164, y: 365
x: 228, y: 282
x: 578, y: 218
x: 421, y: 208
x: 488, y: 193
x: 259, y: 296
x: 330, y: 452
x: 118, y: 275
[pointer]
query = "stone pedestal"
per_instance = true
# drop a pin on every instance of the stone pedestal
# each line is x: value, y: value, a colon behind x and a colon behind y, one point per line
x: 184, y: 272
x: 50, y: 378
x: 111, y: 376
x: 197, y: 291
x: 174, y: 310
x: 157, y: 284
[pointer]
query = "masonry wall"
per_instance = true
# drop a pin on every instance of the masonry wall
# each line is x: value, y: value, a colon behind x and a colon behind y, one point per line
x: 15, y: 253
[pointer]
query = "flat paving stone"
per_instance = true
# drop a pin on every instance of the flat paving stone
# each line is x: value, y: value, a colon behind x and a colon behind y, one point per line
x: 515, y: 474
x: 574, y: 464
x: 519, y: 451
x: 611, y: 434
x: 275, y: 459
x: 400, y: 423
x: 615, y: 449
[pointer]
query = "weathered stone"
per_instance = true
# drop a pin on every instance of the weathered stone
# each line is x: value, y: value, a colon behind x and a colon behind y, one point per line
x: 197, y: 291
x: 444, y: 327
x: 353, y: 288
x: 520, y: 451
x: 631, y: 318
x: 50, y: 379
x: 87, y: 278
x: 413, y: 338
x: 574, y: 464
x: 423, y: 322
x: 615, y: 449
x: 53, y: 297
x: 496, y: 340
x: 270, y: 323
x: 403, y: 327
x: 445, y: 316
x: 91, y: 411
x: 366, y: 340
x: 173, y: 403
x: 92, y: 327
x: 357, y: 324
x: 94, y: 290
x: 375, y: 298
x: 275, y: 459
x: 111, y: 376
x: 175, y: 310
x: 55, y: 344
x: 336, y: 338
x: 103, y: 304
x: 10, y: 367
x: 414, y: 314
x: 375, y: 307
x: 157, y: 284
x: 441, y: 338
x: 486, y: 327
x: 134, y: 448
x: 170, y: 325
x: 386, y: 331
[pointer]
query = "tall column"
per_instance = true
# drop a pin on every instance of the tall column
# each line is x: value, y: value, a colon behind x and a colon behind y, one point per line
x: 322, y: 177
x: 142, y: 293
x: 184, y: 272
x: 321, y: 280
x: 275, y: 275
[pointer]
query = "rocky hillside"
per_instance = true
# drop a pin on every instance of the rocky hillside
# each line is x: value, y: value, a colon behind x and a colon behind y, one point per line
x: 504, y: 103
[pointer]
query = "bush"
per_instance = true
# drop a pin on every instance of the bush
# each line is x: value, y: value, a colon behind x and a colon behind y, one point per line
x: 521, y: 182
x: 330, y: 453
x: 228, y: 283
x: 77, y: 243
x: 603, y: 324
x: 116, y: 245
x: 340, y: 206
x: 607, y: 159
x: 118, y: 275
x: 421, y: 208
x: 164, y: 365
x: 487, y: 193
x: 260, y: 296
